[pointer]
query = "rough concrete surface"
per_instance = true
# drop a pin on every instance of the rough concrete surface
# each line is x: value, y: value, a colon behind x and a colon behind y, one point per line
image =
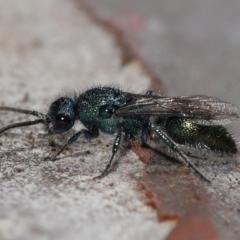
x: 48, y: 48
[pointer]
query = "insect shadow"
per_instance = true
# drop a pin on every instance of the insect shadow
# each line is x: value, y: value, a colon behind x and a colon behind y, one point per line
x: 195, y: 121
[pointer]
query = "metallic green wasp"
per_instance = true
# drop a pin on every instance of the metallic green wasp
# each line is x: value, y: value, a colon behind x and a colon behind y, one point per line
x: 196, y: 121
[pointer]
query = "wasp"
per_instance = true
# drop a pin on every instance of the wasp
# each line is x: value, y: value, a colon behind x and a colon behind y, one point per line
x: 196, y: 121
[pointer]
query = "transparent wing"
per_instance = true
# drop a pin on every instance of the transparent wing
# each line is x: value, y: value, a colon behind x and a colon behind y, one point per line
x: 199, y: 107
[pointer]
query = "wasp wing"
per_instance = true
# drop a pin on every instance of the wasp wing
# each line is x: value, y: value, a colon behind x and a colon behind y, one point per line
x: 200, y: 108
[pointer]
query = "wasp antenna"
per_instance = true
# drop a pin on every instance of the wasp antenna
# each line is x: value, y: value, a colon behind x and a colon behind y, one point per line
x: 30, y: 112
x: 21, y: 124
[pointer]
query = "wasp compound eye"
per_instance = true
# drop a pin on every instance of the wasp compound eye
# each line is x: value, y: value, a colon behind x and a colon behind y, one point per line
x: 61, y: 115
x: 62, y: 120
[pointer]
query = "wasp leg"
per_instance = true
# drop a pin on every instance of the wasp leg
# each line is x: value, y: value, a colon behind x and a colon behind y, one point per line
x: 172, y: 145
x: 114, y: 151
x: 89, y: 135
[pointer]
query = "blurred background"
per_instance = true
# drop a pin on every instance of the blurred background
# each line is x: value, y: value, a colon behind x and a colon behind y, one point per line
x: 193, y: 45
